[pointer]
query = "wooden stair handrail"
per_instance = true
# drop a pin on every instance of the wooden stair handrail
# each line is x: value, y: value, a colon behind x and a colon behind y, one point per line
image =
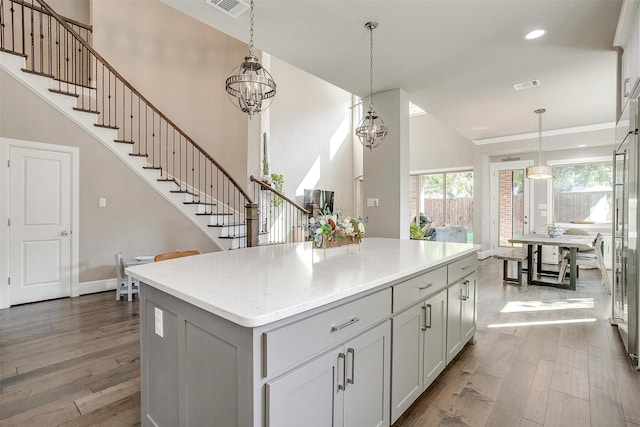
x: 133, y: 90
x: 266, y: 186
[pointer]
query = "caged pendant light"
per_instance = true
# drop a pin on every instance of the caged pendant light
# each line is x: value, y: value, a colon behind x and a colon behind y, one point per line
x: 250, y: 86
x: 371, y: 130
x: 540, y: 171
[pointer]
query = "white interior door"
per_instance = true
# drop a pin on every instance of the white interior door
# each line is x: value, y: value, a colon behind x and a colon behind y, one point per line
x: 510, y: 202
x: 39, y: 224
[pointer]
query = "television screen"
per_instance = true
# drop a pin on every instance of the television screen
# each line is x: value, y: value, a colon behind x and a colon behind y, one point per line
x: 323, y: 199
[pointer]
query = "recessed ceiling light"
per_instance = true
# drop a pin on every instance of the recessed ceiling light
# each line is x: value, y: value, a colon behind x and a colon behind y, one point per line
x: 535, y: 34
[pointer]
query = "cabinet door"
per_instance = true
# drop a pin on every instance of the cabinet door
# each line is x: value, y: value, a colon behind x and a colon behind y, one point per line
x: 407, y: 359
x: 366, y: 397
x: 454, y: 320
x: 308, y: 395
x: 435, y: 339
x: 469, y: 309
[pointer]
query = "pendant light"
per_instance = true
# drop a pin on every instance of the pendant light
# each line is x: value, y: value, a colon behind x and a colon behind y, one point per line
x: 250, y: 86
x: 371, y: 130
x: 540, y: 171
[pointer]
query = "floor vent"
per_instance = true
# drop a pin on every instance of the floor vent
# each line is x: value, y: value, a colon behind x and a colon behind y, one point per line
x: 526, y: 85
x: 233, y: 8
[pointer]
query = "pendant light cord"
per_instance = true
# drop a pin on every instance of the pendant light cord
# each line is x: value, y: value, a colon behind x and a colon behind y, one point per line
x: 371, y: 68
x: 251, y: 30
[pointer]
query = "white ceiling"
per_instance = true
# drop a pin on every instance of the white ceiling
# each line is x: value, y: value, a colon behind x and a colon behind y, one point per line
x: 457, y: 59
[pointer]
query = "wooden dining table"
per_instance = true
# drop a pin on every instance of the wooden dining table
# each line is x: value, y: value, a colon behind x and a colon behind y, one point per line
x: 572, y: 242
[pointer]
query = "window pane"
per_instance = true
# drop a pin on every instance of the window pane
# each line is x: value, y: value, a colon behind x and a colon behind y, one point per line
x: 510, y: 205
x: 432, y: 192
x: 582, y: 192
x: 459, y: 209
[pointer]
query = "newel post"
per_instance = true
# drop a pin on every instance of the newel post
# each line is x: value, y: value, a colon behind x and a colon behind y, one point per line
x: 252, y: 224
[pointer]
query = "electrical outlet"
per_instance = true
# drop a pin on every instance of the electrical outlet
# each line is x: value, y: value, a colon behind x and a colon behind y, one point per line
x: 373, y: 202
x: 159, y: 327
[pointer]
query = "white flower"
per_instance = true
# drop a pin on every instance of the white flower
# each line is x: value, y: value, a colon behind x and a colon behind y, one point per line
x: 361, y: 227
x: 319, y: 231
x: 323, y: 221
x: 348, y: 229
x: 312, y: 220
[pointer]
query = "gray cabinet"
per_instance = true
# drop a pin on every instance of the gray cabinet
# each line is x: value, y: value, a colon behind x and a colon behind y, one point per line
x: 419, y: 356
x: 347, y: 386
x: 461, y: 315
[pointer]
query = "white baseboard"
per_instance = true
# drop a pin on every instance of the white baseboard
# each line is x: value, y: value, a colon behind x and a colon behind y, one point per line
x: 484, y: 254
x: 97, y: 286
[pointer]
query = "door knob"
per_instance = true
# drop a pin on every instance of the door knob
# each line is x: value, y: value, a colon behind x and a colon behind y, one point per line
x: 65, y: 233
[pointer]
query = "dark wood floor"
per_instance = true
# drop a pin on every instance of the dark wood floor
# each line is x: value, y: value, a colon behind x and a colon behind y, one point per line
x: 75, y: 362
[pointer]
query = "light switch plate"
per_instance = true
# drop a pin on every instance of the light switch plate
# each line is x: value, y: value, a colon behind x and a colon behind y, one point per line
x: 373, y: 202
x: 159, y: 327
x: 102, y: 202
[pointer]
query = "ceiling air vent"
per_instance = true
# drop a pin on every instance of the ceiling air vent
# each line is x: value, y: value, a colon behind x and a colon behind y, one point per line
x: 234, y: 8
x: 526, y: 85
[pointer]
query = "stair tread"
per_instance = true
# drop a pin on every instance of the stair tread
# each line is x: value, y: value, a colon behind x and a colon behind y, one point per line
x: 152, y: 167
x: 200, y: 203
x: 240, y: 236
x: 86, y: 110
x: 100, y: 125
x: 37, y: 73
x: 183, y: 191
x: 12, y: 52
x: 227, y: 225
x: 213, y: 213
x: 138, y: 155
x: 122, y: 141
x: 64, y: 92
x: 67, y: 82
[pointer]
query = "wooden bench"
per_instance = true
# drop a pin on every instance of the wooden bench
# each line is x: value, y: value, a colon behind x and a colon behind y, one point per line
x: 518, y: 255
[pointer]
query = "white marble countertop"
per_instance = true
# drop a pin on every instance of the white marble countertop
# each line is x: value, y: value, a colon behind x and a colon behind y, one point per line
x: 256, y: 286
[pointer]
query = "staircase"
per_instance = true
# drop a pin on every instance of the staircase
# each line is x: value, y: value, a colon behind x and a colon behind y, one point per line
x: 42, y: 51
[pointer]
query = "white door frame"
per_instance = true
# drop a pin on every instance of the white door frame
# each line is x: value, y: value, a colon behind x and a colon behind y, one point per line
x: 6, y: 144
x: 528, y: 202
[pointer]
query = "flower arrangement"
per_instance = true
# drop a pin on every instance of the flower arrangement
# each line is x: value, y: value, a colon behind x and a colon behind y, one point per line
x: 327, y: 231
x: 554, y: 230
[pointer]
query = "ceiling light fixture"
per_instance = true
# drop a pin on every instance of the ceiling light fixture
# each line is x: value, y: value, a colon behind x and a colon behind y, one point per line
x: 540, y: 171
x: 535, y: 34
x: 371, y: 130
x: 250, y: 86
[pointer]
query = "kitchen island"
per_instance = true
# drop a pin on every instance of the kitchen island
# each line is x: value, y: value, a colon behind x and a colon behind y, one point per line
x: 289, y: 335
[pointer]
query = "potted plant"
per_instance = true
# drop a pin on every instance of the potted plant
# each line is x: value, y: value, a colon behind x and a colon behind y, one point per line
x: 554, y: 230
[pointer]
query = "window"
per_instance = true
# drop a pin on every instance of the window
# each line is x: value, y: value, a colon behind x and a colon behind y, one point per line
x: 443, y: 199
x: 582, y: 191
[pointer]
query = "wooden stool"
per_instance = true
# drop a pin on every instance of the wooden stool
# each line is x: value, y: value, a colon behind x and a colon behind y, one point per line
x: 517, y: 255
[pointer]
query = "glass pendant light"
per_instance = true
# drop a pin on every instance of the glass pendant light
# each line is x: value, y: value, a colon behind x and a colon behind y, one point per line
x: 371, y: 130
x: 250, y: 86
x: 540, y: 171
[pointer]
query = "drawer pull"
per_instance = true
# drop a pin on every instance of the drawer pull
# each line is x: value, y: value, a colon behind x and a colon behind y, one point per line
x: 345, y: 324
x: 465, y: 267
x: 352, y: 352
x: 344, y: 371
x: 424, y: 313
x: 427, y: 286
x: 425, y: 317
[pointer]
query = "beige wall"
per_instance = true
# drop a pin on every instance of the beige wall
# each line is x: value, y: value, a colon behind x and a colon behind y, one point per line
x: 311, y: 141
x: 136, y: 221
x: 78, y: 10
x: 180, y: 65
x: 434, y: 146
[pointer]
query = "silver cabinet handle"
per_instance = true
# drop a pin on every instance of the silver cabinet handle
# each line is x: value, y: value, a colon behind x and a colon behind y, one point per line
x: 345, y: 324
x: 465, y: 294
x: 344, y: 371
x: 427, y: 286
x: 424, y: 314
x: 352, y: 352
x: 465, y: 267
x: 425, y: 317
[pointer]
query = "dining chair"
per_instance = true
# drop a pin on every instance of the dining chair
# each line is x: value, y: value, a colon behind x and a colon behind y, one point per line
x: 175, y: 254
x: 126, y: 285
x: 591, y: 258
